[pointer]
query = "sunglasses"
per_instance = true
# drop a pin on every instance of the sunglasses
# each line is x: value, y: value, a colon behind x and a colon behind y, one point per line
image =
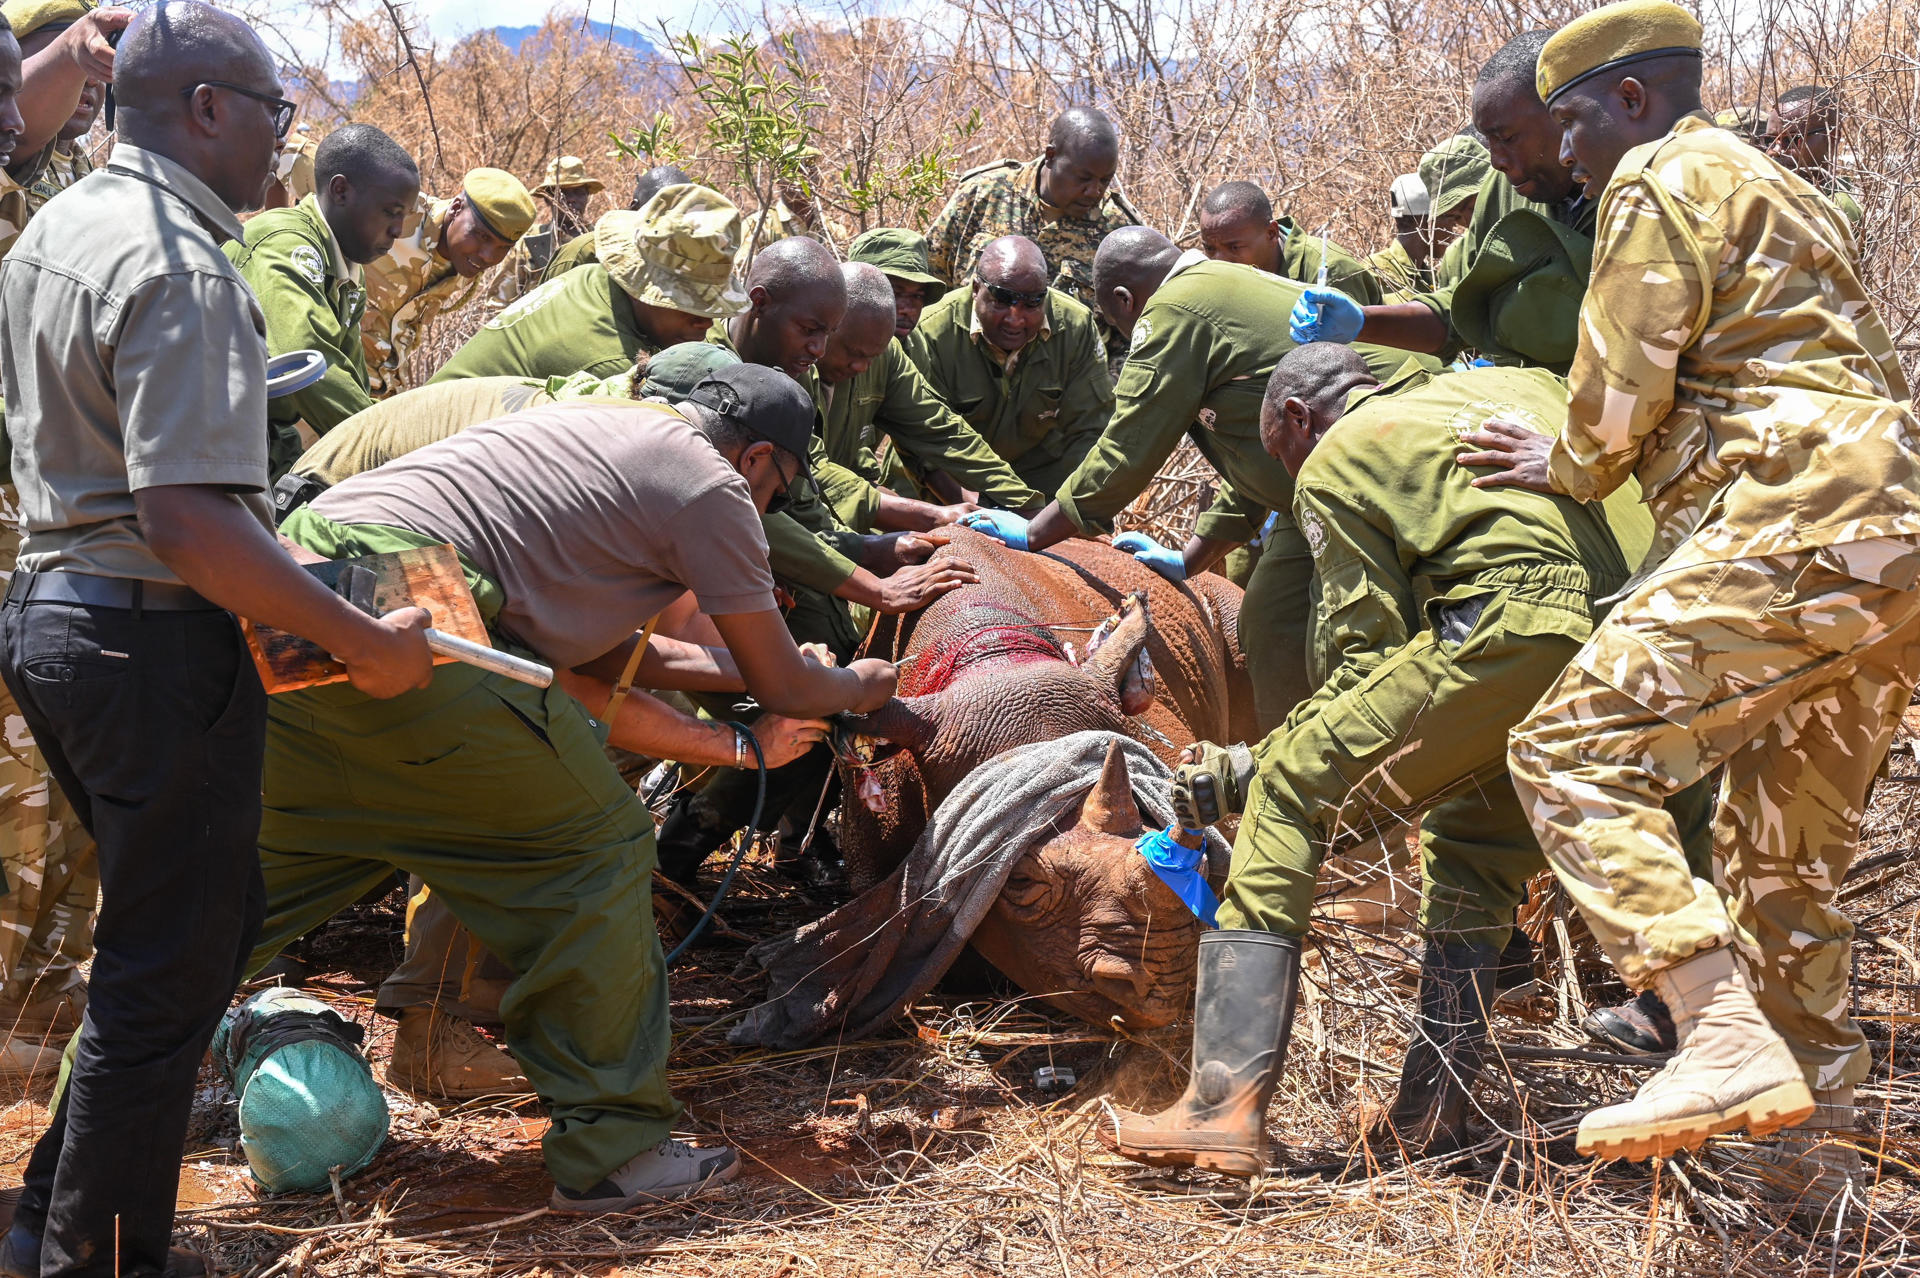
x: 282, y: 110
x: 1011, y: 297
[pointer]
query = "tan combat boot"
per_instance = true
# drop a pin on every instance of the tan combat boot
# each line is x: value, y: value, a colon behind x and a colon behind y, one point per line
x: 45, y: 1012
x: 1814, y: 1168
x: 1731, y: 1070
x: 1242, y: 1015
x: 26, y: 1058
x: 443, y: 1058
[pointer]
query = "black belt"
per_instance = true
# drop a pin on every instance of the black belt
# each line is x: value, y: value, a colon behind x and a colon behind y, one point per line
x: 105, y: 592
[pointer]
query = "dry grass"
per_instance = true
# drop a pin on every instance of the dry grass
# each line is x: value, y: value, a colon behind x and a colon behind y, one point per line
x: 931, y: 1151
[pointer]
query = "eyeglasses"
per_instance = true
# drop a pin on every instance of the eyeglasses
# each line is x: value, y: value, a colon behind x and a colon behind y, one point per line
x: 1009, y: 297
x: 282, y: 109
x: 784, y: 498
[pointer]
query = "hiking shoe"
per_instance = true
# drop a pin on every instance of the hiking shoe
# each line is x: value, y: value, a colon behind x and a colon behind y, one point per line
x: 1813, y: 1168
x: 52, y: 1012
x: 1641, y: 1026
x: 1731, y: 1070
x: 27, y: 1058
x: 671, y: 1169
x: 442, y: 1057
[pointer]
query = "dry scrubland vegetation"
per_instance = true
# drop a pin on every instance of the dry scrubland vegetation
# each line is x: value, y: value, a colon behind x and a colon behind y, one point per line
x: 931, y: 1151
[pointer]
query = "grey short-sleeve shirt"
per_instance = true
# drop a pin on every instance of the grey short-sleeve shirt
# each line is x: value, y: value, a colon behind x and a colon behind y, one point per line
x: 134, y: 356
x: 590, y: 516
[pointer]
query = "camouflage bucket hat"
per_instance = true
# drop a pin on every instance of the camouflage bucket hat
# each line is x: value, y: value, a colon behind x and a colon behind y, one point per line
x: 1453, y: 171
x: 1521, y: 299
x: 897, y: 252
x: 676, y: 252
x: 673, y: 373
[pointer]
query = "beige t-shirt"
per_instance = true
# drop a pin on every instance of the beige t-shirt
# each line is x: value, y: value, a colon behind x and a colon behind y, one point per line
x: 591, y: 517
x: 134, y: 356
x: 413, y: 419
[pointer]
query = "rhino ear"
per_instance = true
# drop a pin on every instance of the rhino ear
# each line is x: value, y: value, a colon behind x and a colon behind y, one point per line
x: 1120, y: 665
x: 1109, y: 807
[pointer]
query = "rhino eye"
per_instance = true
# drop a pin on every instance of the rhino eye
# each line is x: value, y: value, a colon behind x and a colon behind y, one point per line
x: 1029, y: 895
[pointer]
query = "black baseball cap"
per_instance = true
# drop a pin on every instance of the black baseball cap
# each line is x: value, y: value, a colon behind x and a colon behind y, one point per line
x: 764, y: 402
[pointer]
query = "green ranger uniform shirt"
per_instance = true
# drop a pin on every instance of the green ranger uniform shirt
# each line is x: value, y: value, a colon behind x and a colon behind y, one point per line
x: 1202, y: 351
x: 1003, y: 198
x: 1043, y: 408
x: 312, y: 298
x: 890, y: 398
x: 1302, y: 253
x: 1733, y: 362
x: 1399, y: 278
x: 413, y: 419
x: 807, y: 546
x: 1496, y: 199
x: 1394, y: 523
x: 576, y: 252
x: 581, y: 322
x: 409, y: 288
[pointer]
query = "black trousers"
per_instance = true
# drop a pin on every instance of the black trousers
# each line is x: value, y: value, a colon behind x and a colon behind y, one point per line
x: 155, y: 726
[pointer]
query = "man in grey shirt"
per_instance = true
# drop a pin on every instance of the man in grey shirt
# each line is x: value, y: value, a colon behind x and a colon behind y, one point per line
x: 134, y: 361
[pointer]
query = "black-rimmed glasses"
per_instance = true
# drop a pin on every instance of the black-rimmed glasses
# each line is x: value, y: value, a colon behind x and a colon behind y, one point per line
x: 282, y: 109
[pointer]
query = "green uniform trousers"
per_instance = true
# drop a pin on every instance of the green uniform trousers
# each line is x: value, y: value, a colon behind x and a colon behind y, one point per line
x: 1426, y: 728
x: 1276, y: 618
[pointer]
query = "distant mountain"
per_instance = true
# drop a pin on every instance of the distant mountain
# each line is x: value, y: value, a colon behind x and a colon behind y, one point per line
x: 625, y: 37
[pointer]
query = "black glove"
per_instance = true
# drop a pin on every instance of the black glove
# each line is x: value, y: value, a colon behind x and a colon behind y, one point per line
x: 1215, y: 787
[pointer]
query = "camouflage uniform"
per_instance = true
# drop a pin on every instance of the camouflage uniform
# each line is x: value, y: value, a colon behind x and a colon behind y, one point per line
x: 527, y: 264
x: 408, y: 289
x: 1041, y: 408
x: 63, y: 169
x: 1442, y: 612
x: 1003, y: 198
x: 1732, y: 361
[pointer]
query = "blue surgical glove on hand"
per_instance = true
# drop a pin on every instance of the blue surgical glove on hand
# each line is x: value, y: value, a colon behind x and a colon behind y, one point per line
x: 1002, y: 525
x: 1325, y: 315
x: 1170, y: 564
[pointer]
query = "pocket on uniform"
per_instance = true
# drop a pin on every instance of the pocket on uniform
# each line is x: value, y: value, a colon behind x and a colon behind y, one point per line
x: 1661, y: 680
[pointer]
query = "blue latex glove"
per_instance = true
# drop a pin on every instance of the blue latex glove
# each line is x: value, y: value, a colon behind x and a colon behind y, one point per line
x: 1170, y: 564
x: 1003, y: 526
x: 1179, y: 868
x: 1325, y: 315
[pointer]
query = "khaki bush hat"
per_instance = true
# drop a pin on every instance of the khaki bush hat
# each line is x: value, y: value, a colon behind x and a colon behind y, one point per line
x: 897, y: 252
x: 29, y: 16
x: 502, y: 202
x: 676, y: 252
x: 569, y: 173
x: 1614, y: 35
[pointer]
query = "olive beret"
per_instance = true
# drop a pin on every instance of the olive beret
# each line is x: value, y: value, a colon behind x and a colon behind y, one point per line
x: 1614, y: 35
x: 502, y: 202
x: 29, y: 16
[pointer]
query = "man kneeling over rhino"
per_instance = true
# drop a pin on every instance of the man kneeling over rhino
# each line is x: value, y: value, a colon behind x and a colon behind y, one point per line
x: 1411, y: 713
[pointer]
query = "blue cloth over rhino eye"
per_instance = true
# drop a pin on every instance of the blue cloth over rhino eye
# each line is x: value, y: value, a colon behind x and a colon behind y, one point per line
x: 1179, y: 868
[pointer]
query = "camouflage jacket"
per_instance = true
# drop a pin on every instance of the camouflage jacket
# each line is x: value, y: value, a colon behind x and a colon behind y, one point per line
x: 1003, y: 198
x: 62, y: 170
x: 409, y: 288
x: 1732, y: 361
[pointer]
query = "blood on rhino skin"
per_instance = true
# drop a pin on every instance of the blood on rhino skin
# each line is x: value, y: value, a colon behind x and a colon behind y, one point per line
x: 1005, y: 662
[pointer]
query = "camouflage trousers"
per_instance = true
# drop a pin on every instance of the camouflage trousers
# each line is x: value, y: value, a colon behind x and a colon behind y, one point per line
x: 1790, y: 671
x: 52, y: 875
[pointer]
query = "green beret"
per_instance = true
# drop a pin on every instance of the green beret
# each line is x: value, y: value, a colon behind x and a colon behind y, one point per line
x: 1614, y: 35
x: 897, y: 252
x: 1453, y: 171
x: 673, y: 373
x: 502, y: 202
x: 29, y: 16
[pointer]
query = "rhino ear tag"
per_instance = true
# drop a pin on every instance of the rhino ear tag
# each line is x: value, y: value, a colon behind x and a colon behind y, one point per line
x: 1109, y: 807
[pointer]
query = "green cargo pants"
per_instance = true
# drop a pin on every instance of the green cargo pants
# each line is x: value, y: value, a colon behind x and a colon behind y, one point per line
x: 501, y: 797
x: 1427, y: 728
x: 1275, y: 619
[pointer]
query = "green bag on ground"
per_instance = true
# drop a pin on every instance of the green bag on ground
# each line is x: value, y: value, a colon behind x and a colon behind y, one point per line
x: 308, y: 1102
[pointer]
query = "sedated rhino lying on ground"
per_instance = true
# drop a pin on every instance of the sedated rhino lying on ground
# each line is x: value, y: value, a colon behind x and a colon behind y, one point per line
x: 1080, y: 918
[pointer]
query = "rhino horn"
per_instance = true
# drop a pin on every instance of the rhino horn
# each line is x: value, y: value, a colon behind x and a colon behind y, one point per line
x: 911, y: 722
x: 1109, y: 807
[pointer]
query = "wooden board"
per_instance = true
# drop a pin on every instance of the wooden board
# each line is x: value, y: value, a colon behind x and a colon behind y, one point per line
x: 429, y: 577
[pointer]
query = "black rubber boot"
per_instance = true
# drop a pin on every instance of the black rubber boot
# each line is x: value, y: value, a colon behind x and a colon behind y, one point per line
x: 1429, y: 1116
x: 1242, y: 1017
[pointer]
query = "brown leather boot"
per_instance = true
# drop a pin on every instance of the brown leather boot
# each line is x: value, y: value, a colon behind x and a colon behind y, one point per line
x: 442, y: 1057
x: 1242, y: 1016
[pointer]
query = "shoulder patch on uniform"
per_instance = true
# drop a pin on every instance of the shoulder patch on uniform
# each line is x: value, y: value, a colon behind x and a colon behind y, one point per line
x: 306, y: 260
x: 1314, y: 531
x: 1142, y: 331
x: 529, y: 303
